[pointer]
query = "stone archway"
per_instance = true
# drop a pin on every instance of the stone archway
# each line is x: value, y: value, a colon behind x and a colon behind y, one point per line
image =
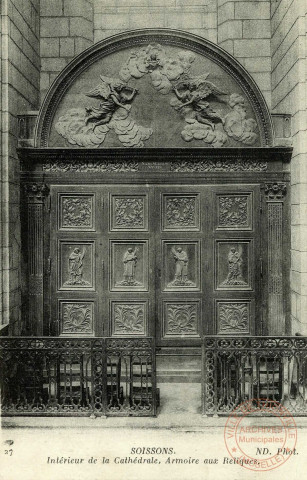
x: 180, y: 91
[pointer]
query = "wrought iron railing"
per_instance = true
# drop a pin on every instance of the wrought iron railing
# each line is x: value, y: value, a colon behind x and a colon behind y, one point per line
x: 258, y: 369
x: 77, y: 376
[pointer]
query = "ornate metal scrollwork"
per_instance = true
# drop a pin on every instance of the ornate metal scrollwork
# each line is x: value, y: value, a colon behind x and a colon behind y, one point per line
x: 240, y: 369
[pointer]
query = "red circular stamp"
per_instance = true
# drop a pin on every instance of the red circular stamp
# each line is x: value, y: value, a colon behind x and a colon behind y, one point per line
x: 262, y: 443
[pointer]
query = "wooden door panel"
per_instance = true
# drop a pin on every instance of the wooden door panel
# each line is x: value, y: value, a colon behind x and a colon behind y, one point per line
x: 179, y: 246
x: 130, y: 284
x: 172, y: 261
x: 236, y: 247
x: 75, y: 275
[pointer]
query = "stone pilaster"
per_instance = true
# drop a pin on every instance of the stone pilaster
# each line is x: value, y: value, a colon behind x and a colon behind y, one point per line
x: 275, y: 193
x: 36, y: 194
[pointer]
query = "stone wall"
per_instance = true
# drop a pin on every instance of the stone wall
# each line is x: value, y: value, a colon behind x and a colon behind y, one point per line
x: 20, y: 73
x: 39, y: 38
x: 66, y: 30
x: 244, y: 30
x: 289, y: 92
x: 195, y: 16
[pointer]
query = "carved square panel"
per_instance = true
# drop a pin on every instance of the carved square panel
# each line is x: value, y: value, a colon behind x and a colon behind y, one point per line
x: 233, y: 316
x: 76, y: 265
x: 129, y: 318
x: 76, y: 212
x: 180, y: 212
x: 180, y: 265
x: 234, y: 211
x: 233, y: 265
x: 76, y: 317
x: 129, y: 212
x: 181, y: 319
x: 129, y: 265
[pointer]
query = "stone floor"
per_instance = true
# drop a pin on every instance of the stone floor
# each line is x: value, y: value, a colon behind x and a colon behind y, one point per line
x: 40, y: 443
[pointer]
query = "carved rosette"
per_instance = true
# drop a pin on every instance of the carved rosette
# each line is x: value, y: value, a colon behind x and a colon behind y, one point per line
x: 275, y: 193
x: 129, y: 213
x: 181, y: 319
x: 77, y: 212
x: 233, y: 211
x: 36, y: 194
x: 77, y: 318
x: 180, y: 212
x: 129, y: 319
x: 233, y: 317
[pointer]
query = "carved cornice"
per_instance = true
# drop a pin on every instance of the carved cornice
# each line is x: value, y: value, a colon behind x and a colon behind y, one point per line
x: 272, y: 154
x: 36, y: 192
x: 141, y: 38
x: 275, y: 191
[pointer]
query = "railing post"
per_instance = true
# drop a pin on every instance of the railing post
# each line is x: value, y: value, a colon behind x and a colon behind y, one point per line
x: 275, y: 193
x: 36, y: 194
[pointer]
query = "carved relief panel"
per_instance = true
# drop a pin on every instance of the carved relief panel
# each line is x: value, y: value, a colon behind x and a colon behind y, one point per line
x: 234, y: 211
x: 76, y: 212
x: 76, y: 317
x: 129, y: 212
x: 233, y: 265
x: 181, y: 265
x: 76, y: 265
x: 233, y: 317
x: 180, y: 212
x: 129, y: 318
x: 181, y: 319
x: 129, y: 265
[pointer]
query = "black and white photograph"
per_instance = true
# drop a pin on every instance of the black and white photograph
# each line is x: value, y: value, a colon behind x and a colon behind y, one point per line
x: 153, y: 237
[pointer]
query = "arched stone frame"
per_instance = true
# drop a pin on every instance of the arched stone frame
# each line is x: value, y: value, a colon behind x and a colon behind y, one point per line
x: 230, y: 161
x: 142, y: 37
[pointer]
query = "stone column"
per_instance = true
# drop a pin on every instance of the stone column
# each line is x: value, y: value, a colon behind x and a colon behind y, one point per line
x: 36, y: 194
x: 275, y: 193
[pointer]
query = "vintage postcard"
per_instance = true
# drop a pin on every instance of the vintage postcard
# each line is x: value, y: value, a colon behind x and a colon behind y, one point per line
x: 153, y: 239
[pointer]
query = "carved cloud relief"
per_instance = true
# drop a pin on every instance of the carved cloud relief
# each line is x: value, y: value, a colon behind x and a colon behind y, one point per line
x: 191, y: 96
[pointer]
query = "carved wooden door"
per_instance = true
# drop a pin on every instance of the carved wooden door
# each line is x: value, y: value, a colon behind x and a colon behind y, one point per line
x: 207, y: 242
x: 173, y: 261
x: 102, y: 250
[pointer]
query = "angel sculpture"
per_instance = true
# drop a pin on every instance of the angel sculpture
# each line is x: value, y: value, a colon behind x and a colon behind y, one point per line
x: 192, y: 91
x: 113, y: 94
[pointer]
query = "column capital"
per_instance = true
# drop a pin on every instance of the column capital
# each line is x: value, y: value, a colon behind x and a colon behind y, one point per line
x: 275, y: 191
x: 36, y: 192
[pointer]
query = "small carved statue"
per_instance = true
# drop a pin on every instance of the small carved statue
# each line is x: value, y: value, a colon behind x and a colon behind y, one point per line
x: 130, y: 261
x: 113, y: 94
x: 235, y: 276
x: 75, y: 262
x: 181, y: 271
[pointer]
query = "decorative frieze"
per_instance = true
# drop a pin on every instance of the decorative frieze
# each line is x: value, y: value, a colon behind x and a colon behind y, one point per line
x: 217, y: 165
x: 87, y: 166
